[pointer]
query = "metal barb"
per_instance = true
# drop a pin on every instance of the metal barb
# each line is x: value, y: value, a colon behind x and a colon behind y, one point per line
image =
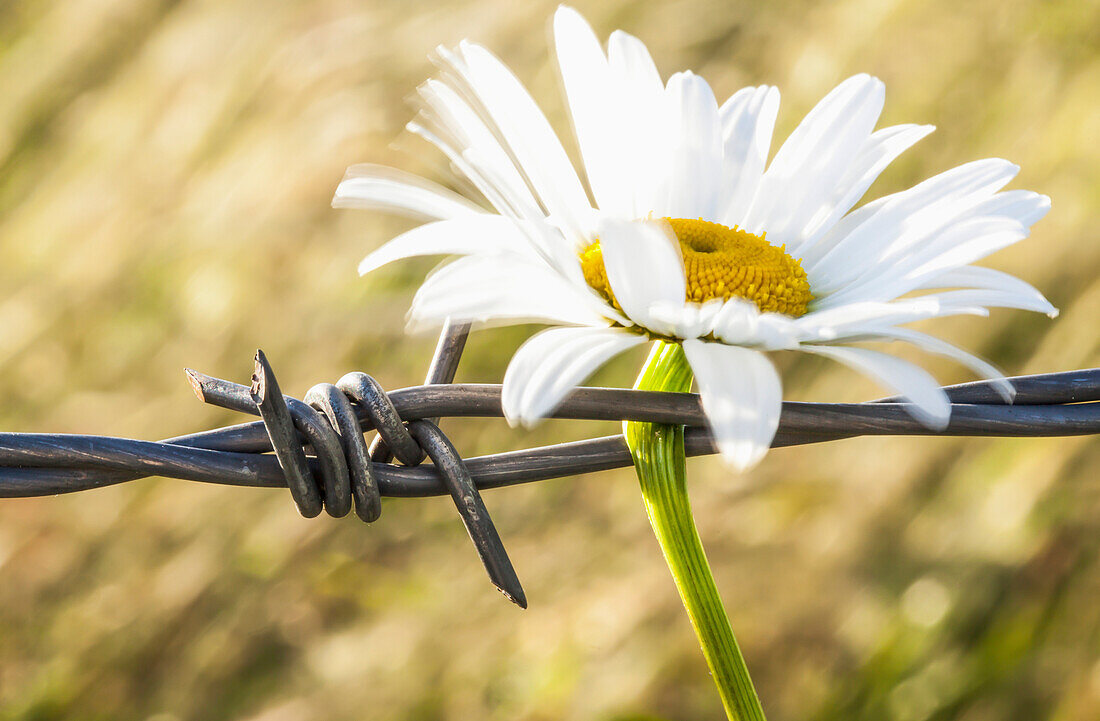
x: 280, y: 428
x: 347, y: 468
x: 472, y: 509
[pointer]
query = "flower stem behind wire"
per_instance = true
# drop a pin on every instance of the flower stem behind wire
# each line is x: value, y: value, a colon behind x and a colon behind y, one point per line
x: 658, y: 452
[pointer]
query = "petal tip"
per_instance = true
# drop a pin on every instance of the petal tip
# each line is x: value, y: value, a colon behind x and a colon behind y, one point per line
x: 743, y: 460
x: 939, y: 424
x: 937, y: 419
x: 366, y: 265
x: 510, y: 415
x: 568, y: 14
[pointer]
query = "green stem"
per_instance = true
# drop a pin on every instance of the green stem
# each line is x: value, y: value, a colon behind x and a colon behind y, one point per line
x: 658, y: 452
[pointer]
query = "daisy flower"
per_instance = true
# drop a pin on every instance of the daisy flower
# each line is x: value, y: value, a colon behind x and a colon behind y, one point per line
x: 686, y: 234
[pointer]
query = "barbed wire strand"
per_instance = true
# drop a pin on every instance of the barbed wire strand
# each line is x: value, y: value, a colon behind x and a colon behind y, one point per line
x: 340, y: 471
x: 38, y: 464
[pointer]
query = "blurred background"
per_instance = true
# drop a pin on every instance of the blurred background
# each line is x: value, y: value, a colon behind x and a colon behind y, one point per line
x: 165, y: 176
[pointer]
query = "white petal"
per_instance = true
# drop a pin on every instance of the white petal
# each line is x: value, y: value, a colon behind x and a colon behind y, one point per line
x: 775, y: 331
x: 505, y: 290
x: 903, y: 223
x: 686, y: 320
x: 470, y: 165
x: 859, y: 319
x: 993, y: 299
x: 741, y: 396
x: 929, y: 403
x: 594, y: 108
x: 737, y: 322
x: 971, y: 276
x: 477, y: 151
x: 476, y: 143
x: 740, y: 322
x: 695, y: 181
x: 941, y: 347
x: 798, y: 190
x: 538, y: 151
x: 473, y: 235
x: 639, y: 121
x: 552, y: 363
x: 748, y: 119
x: 879, y: 150
x: 811, y: 253
x: 375, y: 187
x: 965, y: 243
x: 1022, y: 205
x: 956, y: 245
x: 631, y: 63
x: 644, y: 269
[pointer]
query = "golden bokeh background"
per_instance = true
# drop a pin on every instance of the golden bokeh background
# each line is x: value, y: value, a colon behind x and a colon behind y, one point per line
x: 166, y: 175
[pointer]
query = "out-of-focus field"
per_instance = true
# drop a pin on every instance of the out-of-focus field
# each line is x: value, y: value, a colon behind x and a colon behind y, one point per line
x: 165, y: 176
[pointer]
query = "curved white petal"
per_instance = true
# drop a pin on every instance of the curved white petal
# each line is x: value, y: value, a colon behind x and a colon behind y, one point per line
x: 812, y: 253
x: 695, y: 182
x: 931, y: 344
x: 470, y: 164
x: 742, y: 398
x: 594, y: 107
x: 640, y: 95
x: 993, y: 299
x: 495, y: 172
x: 776, y: 331
x: 798, y: 191
x: 965, y: 243
x: 504, y: 289
x: 858, y: 319
x: 736, y: 322
x: 878, y: 151
x: 538, y: 152
x: 956, y: 245
x: 929, y: 403
x: 1024, y: 206
x: 473, y: 235
x: 376, y: 187
x: 631, y: 64
x: 748, y: 119
x: 976, y: 277
x: 552, y: 363
x: 900, y: 225
x: 686, y: 320
x: 477, y: 152
x: 740, y: 322
x: 644, y: 268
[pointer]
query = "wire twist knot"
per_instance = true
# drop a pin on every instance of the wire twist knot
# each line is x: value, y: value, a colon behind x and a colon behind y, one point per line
x: 327, y: 423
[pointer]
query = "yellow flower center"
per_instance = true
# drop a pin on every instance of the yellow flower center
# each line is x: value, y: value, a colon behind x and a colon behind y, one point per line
x: 721, y: 262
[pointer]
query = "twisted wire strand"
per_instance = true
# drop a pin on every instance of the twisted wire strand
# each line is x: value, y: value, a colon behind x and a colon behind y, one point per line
x: 340, y: 471
x: 38, y: 464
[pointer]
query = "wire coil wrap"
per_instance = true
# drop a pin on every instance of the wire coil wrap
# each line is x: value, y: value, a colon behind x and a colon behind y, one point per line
x: 328, y: 423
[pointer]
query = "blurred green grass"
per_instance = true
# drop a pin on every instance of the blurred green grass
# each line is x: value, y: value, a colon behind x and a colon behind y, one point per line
x: 165, y: 174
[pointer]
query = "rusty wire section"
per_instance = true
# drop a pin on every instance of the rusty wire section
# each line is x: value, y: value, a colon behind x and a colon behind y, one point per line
x: 316, y: 446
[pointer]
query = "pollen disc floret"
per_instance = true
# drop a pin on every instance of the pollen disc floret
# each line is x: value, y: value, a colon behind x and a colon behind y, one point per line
x: 721, y: 262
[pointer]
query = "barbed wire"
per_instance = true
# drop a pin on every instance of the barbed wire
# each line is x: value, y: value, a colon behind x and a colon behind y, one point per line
x: 316, y: 446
